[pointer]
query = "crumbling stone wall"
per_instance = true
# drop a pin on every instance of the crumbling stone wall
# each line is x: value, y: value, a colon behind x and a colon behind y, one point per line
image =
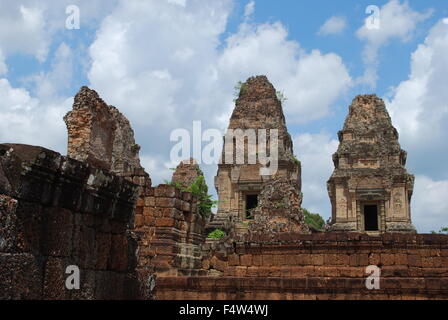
x: 186, y: 173
x: 257, y: 108
x: 56, y: 212
x: 101, y: 135
x: 370, y: 171
x: 170, y: 232
x: 317, y: 266
x: 279, y: 209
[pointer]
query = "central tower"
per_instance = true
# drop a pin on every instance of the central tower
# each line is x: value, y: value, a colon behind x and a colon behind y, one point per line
x: 258, y: 110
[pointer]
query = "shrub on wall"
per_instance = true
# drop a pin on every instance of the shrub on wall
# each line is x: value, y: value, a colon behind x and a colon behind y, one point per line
x: 314, y: 219
x: 216, y: 234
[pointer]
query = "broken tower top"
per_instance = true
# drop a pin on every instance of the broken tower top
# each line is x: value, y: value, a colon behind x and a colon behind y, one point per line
x: 369, y: 121
x: 258, y: 107
x: 186, y: 173
x: 101, y: 135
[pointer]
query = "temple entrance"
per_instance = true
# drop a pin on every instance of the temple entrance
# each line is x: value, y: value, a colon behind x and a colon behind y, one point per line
x: 371, y: 218
x: 251, y: 203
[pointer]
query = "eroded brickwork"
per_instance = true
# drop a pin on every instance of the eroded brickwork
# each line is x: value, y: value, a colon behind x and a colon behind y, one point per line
x: 257, y: 107
x: 170, y: 232
x: 370, y: 189
x: 56, y: 212
x: 317, y: 266
x: 101, y: 135
x: 128, y: 238
x: 279, y: 209
x: 186, y: 173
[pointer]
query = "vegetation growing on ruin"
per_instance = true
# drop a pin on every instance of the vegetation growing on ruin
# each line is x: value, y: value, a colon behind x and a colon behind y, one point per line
x: 240, y: 89
x: 314, y: 219
x: 216, y: 234
x: 199, y: 189
x: 281, y: 204
x: 296, y: 161
x: 441, y: 231
x: 281, y: 96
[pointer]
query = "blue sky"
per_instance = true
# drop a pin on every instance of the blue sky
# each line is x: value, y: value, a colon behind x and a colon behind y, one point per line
x: 166, y: 63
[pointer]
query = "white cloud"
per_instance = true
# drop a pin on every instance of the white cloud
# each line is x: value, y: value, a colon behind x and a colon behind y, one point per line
x: 419, y: 110
x: 34, y: 115
x: 311, y: 81
x: 186, y: 73
x: 334, y: 25
x: 28, y: 120
x: 3, y: 66
x: 28, y: 26
x: 48, y: 84
x: 419, y: 105
x: 397, y: 21
x: 315, y: 152
x: 249, y: 9
x: 37, y: 118
x: 22, y: 29
x: 429, y: 206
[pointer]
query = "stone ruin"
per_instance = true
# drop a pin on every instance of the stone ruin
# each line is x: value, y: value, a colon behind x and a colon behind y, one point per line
x: 279, y: 209
x: 370, y: 189
x: 100, y: 135
x: 239, y: 185
x: 96, y: 209
x: 186, y: 173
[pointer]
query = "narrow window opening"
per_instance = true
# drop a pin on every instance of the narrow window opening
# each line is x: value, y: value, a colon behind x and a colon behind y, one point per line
x: 251, y: 204
x: 371, y: 218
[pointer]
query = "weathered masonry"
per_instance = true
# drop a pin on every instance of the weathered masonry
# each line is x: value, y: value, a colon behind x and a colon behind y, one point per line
x: 96, y: 209
x: 57, y: 212
x: 327, y: 266
x: 370, y: 189
x: 239, y: 185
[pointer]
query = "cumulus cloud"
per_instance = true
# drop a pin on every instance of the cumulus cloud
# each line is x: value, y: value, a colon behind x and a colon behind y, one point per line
x: 26, y: 119
x: 429, y: 208
x: 311, y: 81
x: 22, y: 29
x: 3, y: 66
x: 419, y: 105
x: 249, y: 9
x: 397, y: 21
x: 36, y: 118
x: 28, y: 26
x: 315, y: 152
x: 334, y: 25
x: 419, y: 110
x: 186, y: 73
x: 183, y: 72
x: 33, y: 114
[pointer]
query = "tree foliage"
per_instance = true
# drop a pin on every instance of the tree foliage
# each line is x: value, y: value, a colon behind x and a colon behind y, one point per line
x: 443, y: 230
x: 216, y: 234
x: 314, y: 219
x: 199, y: 189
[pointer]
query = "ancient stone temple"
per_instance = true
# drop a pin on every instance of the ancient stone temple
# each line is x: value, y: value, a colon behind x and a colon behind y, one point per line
x: 101, y: 135
x: 134, y: 242
x: 370, y: 189
x: 259, y: 118
x: 279, y: 209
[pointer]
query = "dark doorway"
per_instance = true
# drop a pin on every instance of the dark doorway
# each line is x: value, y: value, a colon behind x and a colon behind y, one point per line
x: 371, y: 218
x: 251, y: 203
